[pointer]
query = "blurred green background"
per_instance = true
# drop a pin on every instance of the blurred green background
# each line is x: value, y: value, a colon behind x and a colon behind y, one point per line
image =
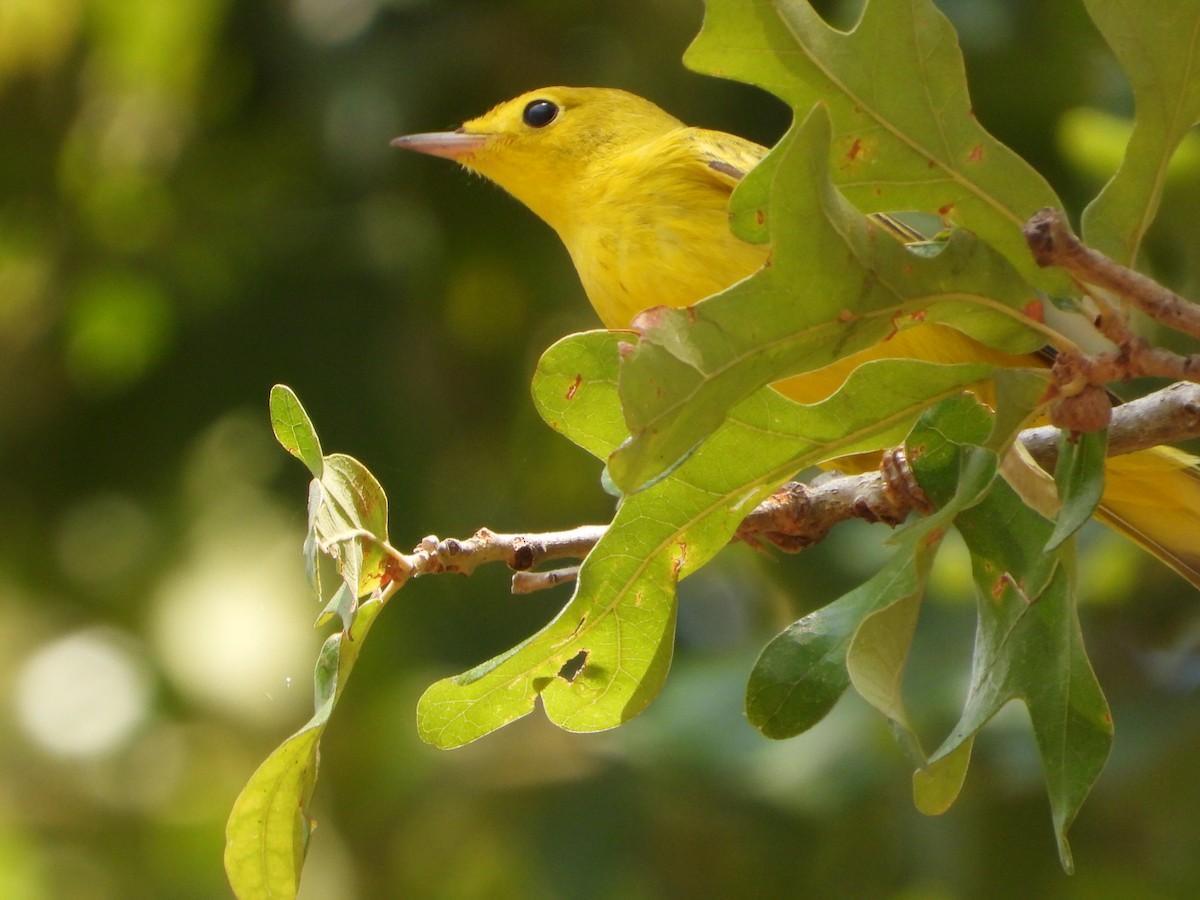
x: 198, y: 200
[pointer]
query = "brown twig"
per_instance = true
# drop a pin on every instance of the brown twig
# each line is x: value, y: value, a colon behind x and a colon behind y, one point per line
x: 1054, y: 244
x: 520, y: 552
x: 1079, y: 402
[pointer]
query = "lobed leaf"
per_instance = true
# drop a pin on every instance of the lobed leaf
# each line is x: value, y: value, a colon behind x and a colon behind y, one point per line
x: 1158, y: 45
x: 904, y: 134
x: 836, y: 283
x: 1028, y: 645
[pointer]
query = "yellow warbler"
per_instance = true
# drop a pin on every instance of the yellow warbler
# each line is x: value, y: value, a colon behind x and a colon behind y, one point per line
x: 641, y: 202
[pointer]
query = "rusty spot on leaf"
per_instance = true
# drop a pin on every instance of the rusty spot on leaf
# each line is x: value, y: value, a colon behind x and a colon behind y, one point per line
x: 681, y: 559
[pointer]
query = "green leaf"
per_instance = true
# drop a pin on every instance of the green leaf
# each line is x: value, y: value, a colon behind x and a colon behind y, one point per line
x: 862, y: 637
x: 1028, y: 646
x: 1155, y: 42
x: 937, y: 785
x: 342, y: 605
x: 294, y: 430
x: 1079, y: 475
x: 801, y: 673
x: 351, y: 524
x: 266, y: 837
x: 312, y: 541
x: 574, y: 390
x: 879, y: 649
x: 905, y: 137
x: 620, y: 621
x: 1019, y: 397
x: 836, y: 284
x: 1032, y: 649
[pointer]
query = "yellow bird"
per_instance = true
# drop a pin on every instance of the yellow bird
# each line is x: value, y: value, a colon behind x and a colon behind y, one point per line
x: 641, y: 202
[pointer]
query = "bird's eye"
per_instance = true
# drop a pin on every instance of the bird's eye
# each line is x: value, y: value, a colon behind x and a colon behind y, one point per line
x: 540, y: 113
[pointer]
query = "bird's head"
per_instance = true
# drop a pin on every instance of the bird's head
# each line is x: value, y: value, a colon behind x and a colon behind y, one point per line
x: 545, y: 146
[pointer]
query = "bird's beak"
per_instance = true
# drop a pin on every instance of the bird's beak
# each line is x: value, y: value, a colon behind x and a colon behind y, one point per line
x: 457, y: 145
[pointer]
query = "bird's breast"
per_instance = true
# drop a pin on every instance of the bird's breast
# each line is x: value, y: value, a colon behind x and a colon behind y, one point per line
x: 645, y: 250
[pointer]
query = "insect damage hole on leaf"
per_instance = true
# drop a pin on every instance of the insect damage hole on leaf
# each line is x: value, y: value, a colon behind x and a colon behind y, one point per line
x: 572, y: 667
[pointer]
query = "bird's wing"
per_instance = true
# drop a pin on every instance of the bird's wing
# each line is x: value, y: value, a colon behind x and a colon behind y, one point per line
x: 725, y: 156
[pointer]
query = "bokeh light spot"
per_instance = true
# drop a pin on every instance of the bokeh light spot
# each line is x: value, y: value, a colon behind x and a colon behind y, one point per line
x: 229, y: 633
x: 84, y: 694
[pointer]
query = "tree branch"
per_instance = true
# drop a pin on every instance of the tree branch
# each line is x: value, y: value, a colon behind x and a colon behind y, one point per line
x: 799, y: 515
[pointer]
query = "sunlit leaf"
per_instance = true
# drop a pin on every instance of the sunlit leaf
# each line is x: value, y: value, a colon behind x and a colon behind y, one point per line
x: 620, y: 621
x: 351, y: 523
x: 294, y: 429
x: 269, y: 827
x: 312, y: 541
x: 343, y: 605
x: 347, y: 510
x: 266, y: 837
x: 574, y: 389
